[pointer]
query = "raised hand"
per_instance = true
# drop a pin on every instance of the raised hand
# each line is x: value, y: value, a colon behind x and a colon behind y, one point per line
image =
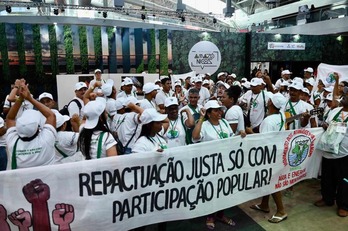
x: 21, y: 218
x: 63, y: 216
x: 3, y: 216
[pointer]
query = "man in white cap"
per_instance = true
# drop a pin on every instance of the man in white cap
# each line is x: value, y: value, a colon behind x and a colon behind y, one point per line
x: 127, y: 89
x: 295, y: 106
x: 221, y: 76
x: 164, y: 93
x: 29, y: 144
x: 285, y: 77
x: 256, y: 99
x: 47, y: 99
x: 308, y: 73
x: 275, y: 121
x: 98, y: 78
x: 76, y: 104
x: 150, y: 92
x: 204, y: 93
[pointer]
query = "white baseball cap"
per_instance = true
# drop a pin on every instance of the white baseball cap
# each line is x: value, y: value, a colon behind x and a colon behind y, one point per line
x: 246, y: 84
x: 278, y: 100
x: 286, y: 72
x: 149, y: 87
x: 305, y: 90
x: 107, y: 87
x: 212, y: 104
x: 169, y: 101
x: 329, y: 88
x: 45, y: 95
x: 220, y: 74
x: 111, y: 107
x: 284, y: 84
x: 119, y: 103
x: 205, y: 82
x: 97, y: 70
x: 177, y: 83
x: 130, y: 99
x: 60, y: 119
x: 244, y: 79
x: 233, y: 75
x: 150, y: 114
x: 256, y: 82
x: 297, y: 85
x: 298, y: 79
x: 127, y: 81
x: 329, y: 97
x: 28, y: 123
x: 92, y: 111
x: 310, y: 81
x: 80, y: 85
x: 309, y: 69
x: 198, y: 79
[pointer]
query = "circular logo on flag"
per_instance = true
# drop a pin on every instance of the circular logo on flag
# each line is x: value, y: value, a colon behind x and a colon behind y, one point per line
x: 330, y: 78
x: 204, y: 57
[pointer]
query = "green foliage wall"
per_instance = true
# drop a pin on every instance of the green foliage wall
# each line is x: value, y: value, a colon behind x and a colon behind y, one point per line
x: 335, y: 51
x: 4, y: 53
x: 69, y: 51
x: 38, y: 52
x: 98, y: 47
x: 163, y: 42
x: 152, y: 52
x: 83, y: 49
x: 21, y: 49
x: 53, y: 49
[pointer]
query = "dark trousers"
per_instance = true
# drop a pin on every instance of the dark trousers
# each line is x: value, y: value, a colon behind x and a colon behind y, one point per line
x: 3, y: 159
x: 333, y: 185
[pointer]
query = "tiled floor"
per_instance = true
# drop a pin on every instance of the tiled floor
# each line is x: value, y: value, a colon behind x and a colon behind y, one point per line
x: 302, y: 215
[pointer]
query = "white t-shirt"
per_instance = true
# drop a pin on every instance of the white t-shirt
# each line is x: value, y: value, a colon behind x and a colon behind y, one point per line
x: 144, y: 144
x: 145, y: 104
x: 257, y: 104
x: 214, y: 132
x: 299, y: 108
x: 279, y: 81
x: 3, y: 137
x: 123, y: 94
x: 73, y: 108
x: 24, y: 106
x: 272, y: 123
x: 126, y: 126
x: 161, y: 96
x: 67, y: 143
x: 343, y: 150
x: 97, y: 89
x: 234, y: 115
x: 194, y: 111
x: 37, y: 152
x: 107, y: 142
x: 176, y: 133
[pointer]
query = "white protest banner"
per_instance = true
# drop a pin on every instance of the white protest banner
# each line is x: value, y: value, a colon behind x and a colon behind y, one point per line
x: 325, y: 73
x: 124, y: 192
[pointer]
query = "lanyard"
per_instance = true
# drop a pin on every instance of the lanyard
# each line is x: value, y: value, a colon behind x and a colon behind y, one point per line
x: 282, y: 122
x: 173, y: 125
x: 159, y: 143
x: 118, y: 123
x: 14, y: 158
x: 151, y: 103
x: 336, y: 116
x: 253, y: 101
x: 219, y: 133
x: 192, y: 108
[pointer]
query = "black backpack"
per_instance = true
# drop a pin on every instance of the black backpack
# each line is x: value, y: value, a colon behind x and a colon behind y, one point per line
x: 65, y: 111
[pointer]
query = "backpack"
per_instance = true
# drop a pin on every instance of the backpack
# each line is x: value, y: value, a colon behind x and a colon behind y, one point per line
x: 65, y: 111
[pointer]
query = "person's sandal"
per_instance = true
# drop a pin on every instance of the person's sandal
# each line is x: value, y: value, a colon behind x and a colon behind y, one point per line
x: 226, y: 220
x: 210, y: 223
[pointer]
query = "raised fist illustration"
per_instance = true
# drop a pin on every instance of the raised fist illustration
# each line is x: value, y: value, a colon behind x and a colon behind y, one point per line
x: 3, y: 216
x: 36, y: 191
x: 21, y: 218
x: 63, y: 215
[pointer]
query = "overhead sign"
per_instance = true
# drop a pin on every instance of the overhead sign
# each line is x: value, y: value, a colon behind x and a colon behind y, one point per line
x: 286, y: 46
x: 204, y: 57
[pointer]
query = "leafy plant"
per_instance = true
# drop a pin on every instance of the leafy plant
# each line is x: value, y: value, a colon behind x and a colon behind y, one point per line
x: 21, y: 49
x: 83, y: 49
x: 4, y: 53
x: 38, y: 52
x: 68, y: 42
x: 98, y: 47
x: 163, y: 42
x: 152, y: 52
x: 53, y: 49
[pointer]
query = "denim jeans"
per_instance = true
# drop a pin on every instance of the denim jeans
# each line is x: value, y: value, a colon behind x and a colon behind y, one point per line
x: 3, y: 158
